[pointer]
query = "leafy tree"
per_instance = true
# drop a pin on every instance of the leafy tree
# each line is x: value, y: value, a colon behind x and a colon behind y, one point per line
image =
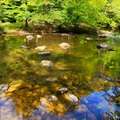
x: 113, y: 12
x: 94, y: 13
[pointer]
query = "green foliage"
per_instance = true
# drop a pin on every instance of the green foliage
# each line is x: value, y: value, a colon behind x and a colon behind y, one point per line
x: 113, y: 60
x: 94, y: 13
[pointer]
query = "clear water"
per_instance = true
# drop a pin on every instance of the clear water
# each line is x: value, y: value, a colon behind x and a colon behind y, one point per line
x: 25, y: 91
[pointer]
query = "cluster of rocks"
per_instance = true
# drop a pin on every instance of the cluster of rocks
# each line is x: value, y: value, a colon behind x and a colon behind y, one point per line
x: 62, y: 91
x: 71, y: 97
x: 41, y: 49
x: 47, y: 64
x: 42, y: 52
x: 103, y: 35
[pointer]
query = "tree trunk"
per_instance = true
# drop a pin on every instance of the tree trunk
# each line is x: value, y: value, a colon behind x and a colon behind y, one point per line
x: 26, y: 22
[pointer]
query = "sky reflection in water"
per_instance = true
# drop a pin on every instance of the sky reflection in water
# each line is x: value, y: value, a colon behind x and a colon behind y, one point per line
x: 27, y: 93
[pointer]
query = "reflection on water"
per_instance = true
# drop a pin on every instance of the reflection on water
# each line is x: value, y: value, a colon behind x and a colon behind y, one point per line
x: 27, y: 89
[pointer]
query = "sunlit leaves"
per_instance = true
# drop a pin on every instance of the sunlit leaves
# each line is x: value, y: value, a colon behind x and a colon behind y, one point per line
x: 94, y: 13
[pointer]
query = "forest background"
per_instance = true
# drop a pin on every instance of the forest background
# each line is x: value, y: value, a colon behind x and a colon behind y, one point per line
x: 74, y: 16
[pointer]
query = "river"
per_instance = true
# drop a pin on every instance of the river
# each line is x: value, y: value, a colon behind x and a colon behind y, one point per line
x: 29, y: 91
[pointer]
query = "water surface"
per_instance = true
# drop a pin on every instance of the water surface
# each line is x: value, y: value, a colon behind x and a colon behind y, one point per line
x: 25, y: 91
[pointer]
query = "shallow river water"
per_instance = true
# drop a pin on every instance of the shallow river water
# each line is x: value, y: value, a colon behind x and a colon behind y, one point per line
x: 29, y: 91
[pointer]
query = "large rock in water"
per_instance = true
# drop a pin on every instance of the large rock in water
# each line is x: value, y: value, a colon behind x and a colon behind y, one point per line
x: 104, y: 46
x: 46, y: 63
x: 64, y: 45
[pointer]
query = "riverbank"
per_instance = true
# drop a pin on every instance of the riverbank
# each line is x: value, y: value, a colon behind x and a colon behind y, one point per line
x: 19, y: 29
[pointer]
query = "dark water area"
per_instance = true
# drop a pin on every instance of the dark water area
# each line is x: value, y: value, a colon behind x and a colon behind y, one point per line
x: 86, y: 75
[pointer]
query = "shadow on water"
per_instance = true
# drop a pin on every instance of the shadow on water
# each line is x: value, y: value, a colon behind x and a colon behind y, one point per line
x: 29, y: 91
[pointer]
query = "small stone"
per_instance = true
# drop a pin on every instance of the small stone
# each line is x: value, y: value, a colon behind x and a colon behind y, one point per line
x: 63, y: 90
x: 88, y: 38
x: 38, y: 36
x: 3, y: 87
x: 41, y: 48
x: 44, y: 53
x: 29, y: 37
x: 51, y: 79
x: 22, y: 46
x: 52, y: 98
x: 118, y: 89
x: 73, y: 98
x: 64, y: 45
x: 102, y: 45
x: 46, y: 63
x: 65, y: 34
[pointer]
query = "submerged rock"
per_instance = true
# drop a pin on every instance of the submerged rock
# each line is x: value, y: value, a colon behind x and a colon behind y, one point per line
x: 41, y: 48
x: 18, y: 84
x: 64, y: 45
x: 88, y: 38
x: 118, y: 89
x: 63, y: 90
x: 22, y: 46
x: 46, y: 63
x: 3, y: 87
x: 107, y: 78
x: 51, y: 79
